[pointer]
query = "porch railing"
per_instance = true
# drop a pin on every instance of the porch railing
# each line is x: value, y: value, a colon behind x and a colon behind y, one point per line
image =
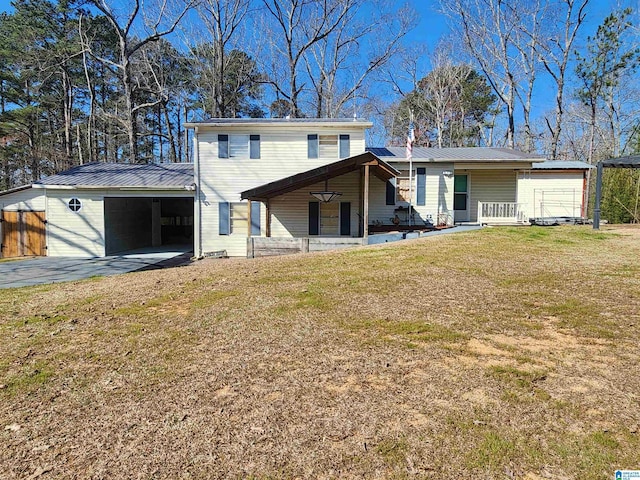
x: 501, y: 212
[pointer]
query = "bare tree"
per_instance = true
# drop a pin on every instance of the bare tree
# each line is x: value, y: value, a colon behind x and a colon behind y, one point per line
x: 489, y: 31
x: 295, y: 27
x: 555, y: 53
x: 338, y: 68
x: 135, y: 29
x: 222, y: 20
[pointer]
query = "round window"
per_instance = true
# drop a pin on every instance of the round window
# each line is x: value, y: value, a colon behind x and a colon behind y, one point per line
x: 75, y: 205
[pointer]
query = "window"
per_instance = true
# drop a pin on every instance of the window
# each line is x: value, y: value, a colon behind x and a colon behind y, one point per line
x: 329, y: 218
x: 234, y: 218
x: 328, y: 146
x: 75, y: 205
x: 402, y: 184
x: 238, y: 146
x: 238, y: 218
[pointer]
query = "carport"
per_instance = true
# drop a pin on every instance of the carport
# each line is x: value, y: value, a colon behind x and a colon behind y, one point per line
x: 152, y: 223
x: 632, y: 161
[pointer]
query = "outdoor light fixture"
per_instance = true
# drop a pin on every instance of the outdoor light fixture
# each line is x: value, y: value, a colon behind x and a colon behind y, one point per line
x: 447, y: 173
x: 326, y: 196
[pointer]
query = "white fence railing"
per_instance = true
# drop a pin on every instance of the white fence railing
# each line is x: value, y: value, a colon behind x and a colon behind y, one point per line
x: 502, y: 212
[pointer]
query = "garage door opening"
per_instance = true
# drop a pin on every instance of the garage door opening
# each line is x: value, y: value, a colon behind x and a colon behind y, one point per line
x: 153, y: 224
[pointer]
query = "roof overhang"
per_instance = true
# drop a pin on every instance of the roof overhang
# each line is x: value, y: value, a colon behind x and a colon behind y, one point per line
x: 292, y: 123
x: 189, y: 188
x: 16, y: 189
x: 632, y: 161
x: 379, y: 168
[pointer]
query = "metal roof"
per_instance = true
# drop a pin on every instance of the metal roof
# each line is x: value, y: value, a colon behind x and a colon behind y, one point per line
x: 164, y: 175
x: 280, y: 121
x: 561, y: 165
x: 632, y: 161
x: 15, y: 189
x: 463, y: 154
x: 379, y: 168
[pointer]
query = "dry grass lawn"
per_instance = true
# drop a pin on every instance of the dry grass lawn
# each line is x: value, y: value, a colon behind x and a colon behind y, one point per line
x: 501, y: 353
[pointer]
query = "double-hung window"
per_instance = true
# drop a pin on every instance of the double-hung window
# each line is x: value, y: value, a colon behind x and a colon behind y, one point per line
x: 328, y: 146
x: 234, y: 218
x: 238, y: 146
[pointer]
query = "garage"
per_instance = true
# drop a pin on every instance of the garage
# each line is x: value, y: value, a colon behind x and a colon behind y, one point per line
x: 150, y: 223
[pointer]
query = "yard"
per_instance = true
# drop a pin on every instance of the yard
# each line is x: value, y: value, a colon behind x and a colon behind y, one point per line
x: 500, y: 353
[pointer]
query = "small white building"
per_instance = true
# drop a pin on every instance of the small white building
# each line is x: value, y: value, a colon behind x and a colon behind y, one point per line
x: 269, y: 186
x: 100, y: 209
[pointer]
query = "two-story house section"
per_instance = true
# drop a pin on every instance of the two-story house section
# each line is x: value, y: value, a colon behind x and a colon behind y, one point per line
x: 272, y: 178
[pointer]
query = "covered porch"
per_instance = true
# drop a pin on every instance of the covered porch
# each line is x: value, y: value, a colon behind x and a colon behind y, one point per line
x: 321, y: 209
x: 487, y: 194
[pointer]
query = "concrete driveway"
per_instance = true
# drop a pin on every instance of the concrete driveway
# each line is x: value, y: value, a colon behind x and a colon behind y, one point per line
x: 42, y: 270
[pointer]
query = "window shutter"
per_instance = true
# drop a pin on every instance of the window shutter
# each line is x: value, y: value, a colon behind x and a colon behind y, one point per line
x: 255, y: 218
x: 312, y: 146
x: 223, y: 218
x: 345, y: 218
x: 345, y: 148
x: 254, y: 146
x: 391, y: 192
x: 421, y: 190
x: 314, y: 218
x: 223, y: 146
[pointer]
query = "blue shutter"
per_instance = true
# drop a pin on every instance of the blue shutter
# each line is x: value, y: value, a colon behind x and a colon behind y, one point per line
x: 223, y: 146
x: 312, y: 146
x: 345, y: 148
x: 421, y: 190
x: 314, y: 218
x: 255, y: 218
x: 345, y: 218
x: 391, y: 192
x: 254, y: 146
x: 223, y: 218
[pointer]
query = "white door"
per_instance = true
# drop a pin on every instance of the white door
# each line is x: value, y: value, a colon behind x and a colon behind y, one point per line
x: 461, y: 198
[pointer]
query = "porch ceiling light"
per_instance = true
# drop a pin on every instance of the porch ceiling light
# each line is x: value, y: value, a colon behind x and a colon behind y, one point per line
x: 326, y: 195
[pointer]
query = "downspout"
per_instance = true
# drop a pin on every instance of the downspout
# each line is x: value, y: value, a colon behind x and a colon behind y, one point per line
x: 198, y: 203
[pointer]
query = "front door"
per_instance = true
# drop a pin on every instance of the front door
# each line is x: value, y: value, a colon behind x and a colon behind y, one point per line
x: 23, y: 234
x: 461, y: 198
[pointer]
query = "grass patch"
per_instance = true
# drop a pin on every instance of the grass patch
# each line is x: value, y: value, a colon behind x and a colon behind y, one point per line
x: 492, y: 451
x: 355, y: 363
x: 393, y: 451
x: 29, y: 379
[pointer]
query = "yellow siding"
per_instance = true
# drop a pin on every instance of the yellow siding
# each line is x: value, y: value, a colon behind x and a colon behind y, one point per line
x: 438, y: 195
x: 29, y: 199
x: 290, y: 212
x: 75, y: 234
x: 81, y: 234
x: 283, y: 153
x: 551, y: 193
x: 490, y: 186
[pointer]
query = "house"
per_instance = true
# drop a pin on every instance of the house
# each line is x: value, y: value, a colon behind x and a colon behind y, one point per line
x: 269, y: 186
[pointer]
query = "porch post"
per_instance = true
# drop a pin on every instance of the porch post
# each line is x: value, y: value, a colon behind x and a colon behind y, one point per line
x: 365, y: 233
x: 268, y: 219
x: 596, y: 209
x: 249, y: 218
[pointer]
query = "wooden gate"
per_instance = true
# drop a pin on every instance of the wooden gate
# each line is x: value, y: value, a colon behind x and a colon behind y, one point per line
x: 23, y: 234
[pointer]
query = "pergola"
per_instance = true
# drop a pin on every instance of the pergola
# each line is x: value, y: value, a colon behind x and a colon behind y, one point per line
x: 632, y: 161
